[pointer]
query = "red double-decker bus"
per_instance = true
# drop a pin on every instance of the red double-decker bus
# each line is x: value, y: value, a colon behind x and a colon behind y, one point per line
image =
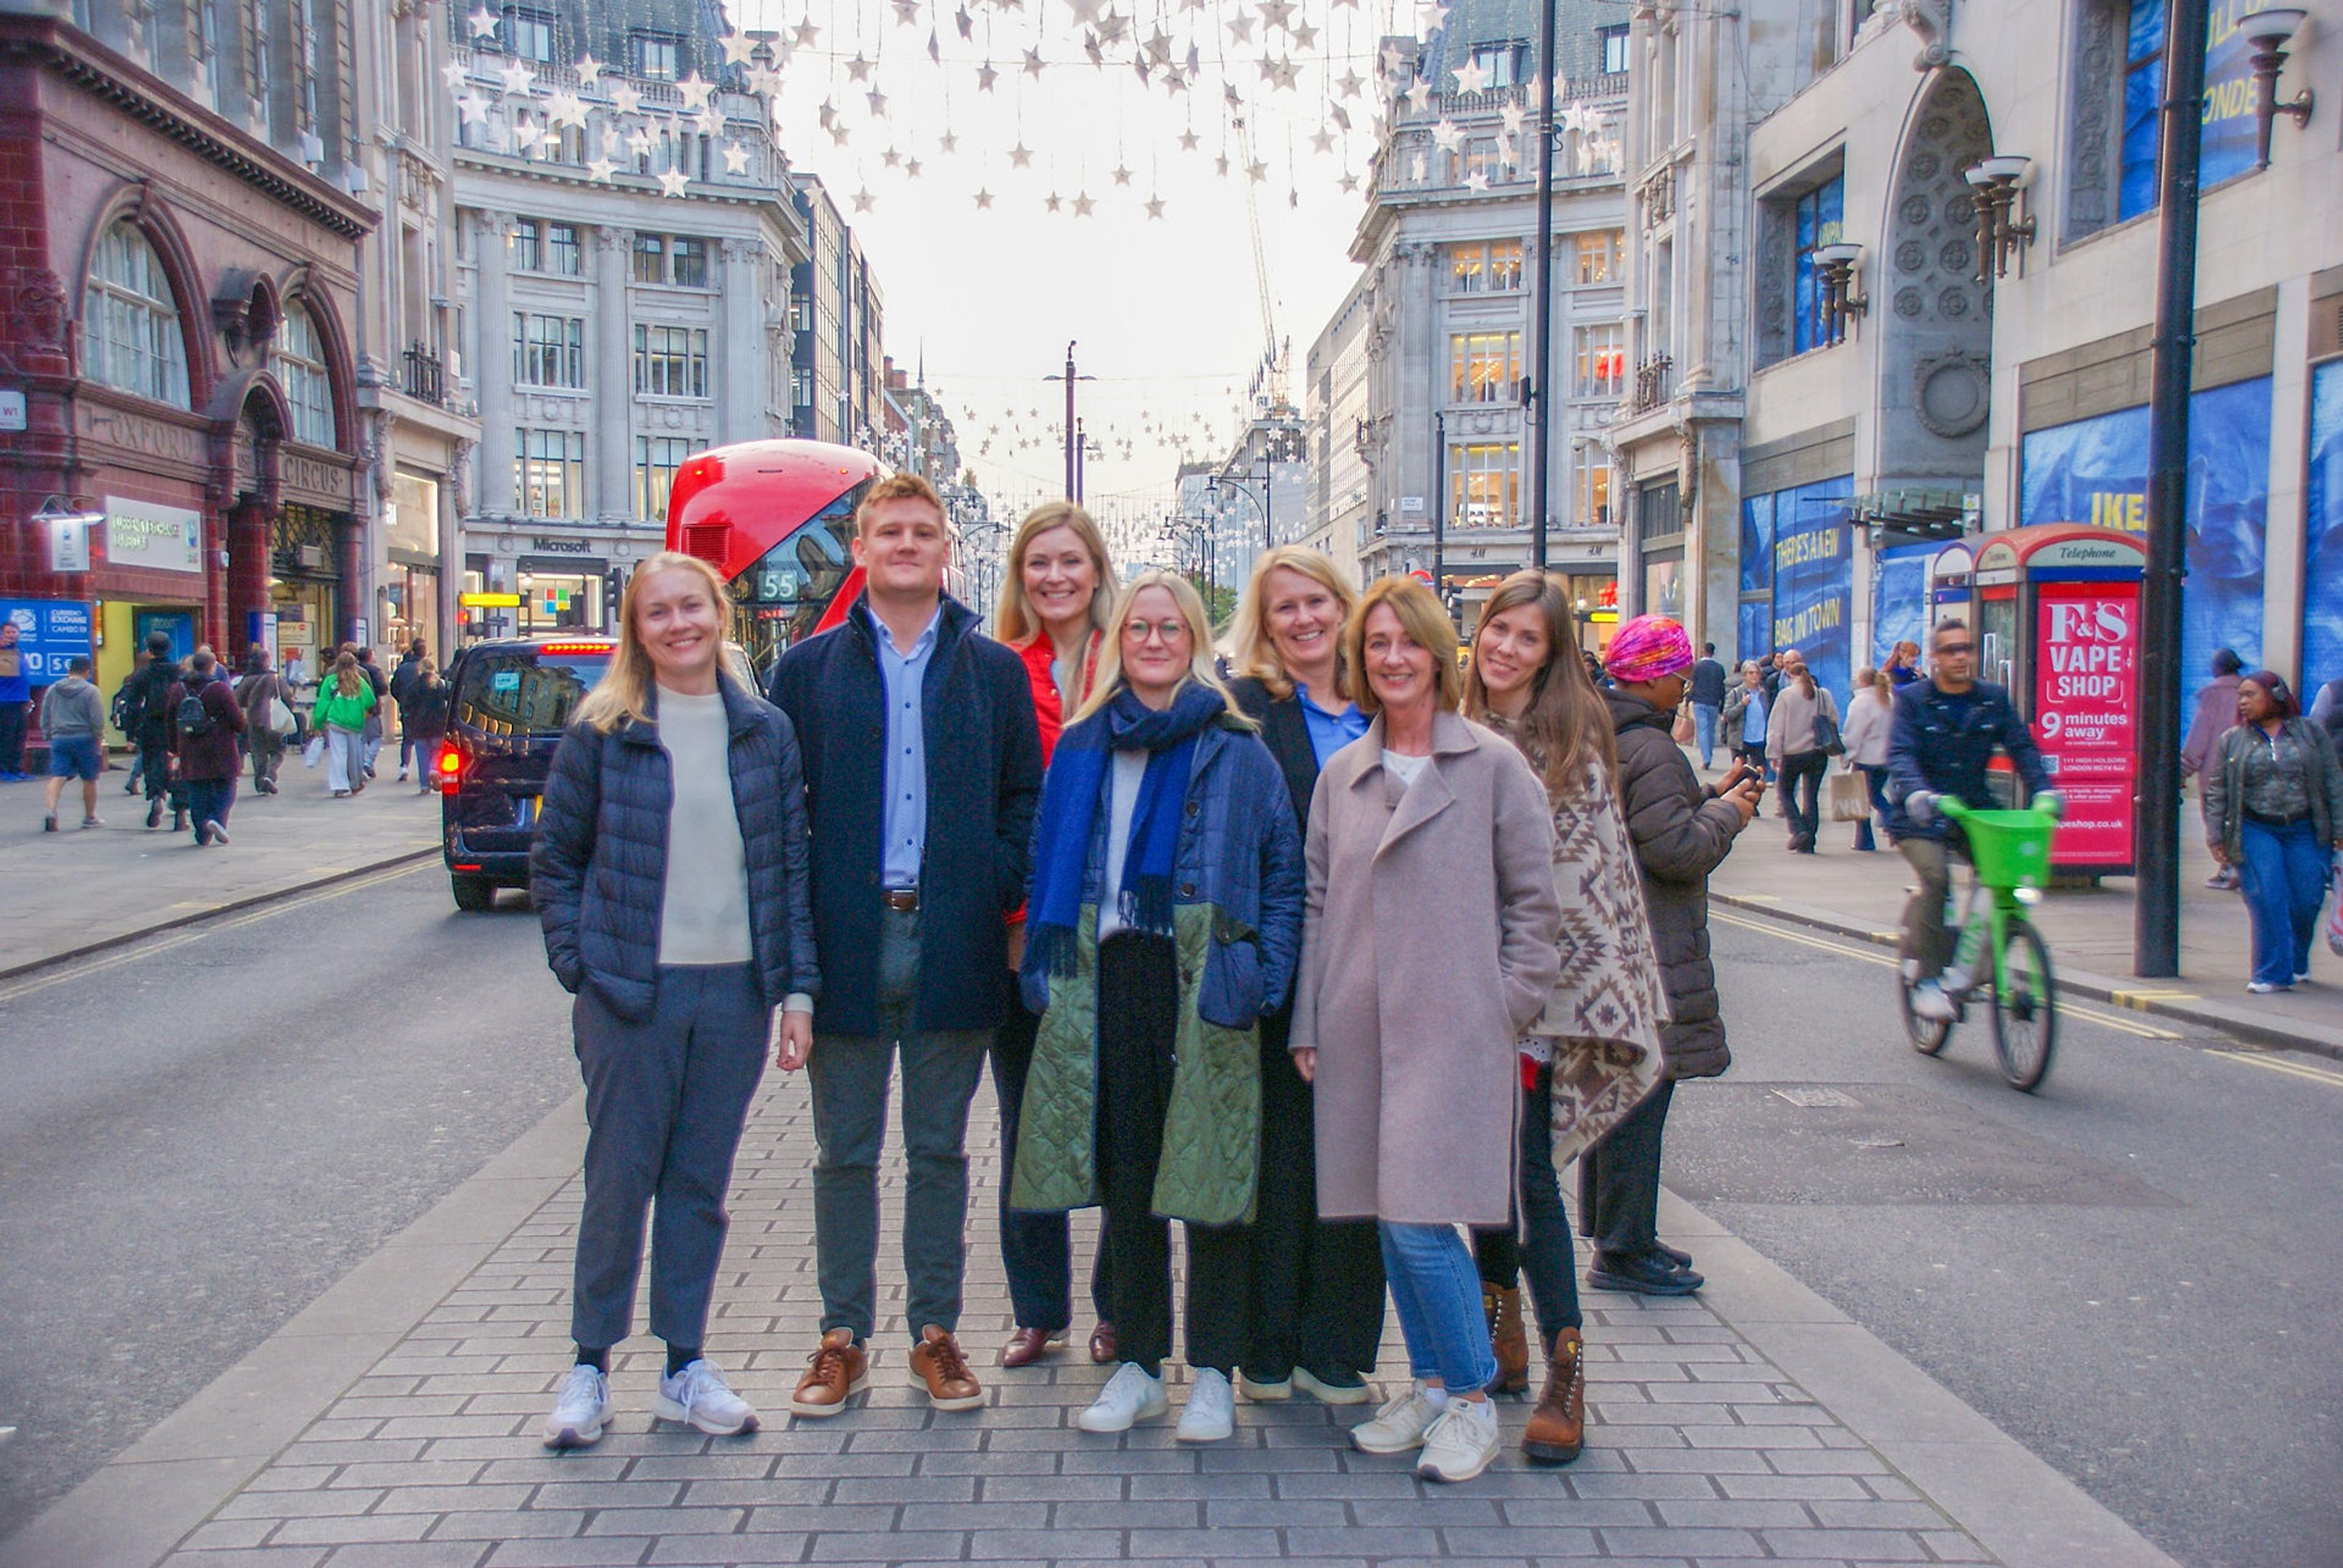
x: 776, y: 518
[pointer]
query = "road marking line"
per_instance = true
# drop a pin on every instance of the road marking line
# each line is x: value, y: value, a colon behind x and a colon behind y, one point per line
x: 133, y: 951
x: 2291, y: 1068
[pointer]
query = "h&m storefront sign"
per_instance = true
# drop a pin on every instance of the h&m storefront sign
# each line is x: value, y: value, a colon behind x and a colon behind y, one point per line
x: 153, y: 536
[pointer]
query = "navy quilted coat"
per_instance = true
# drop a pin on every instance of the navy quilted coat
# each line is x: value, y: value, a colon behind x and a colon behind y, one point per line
x: 598, y: 869
x: 984, y: 776
x: 1237, y: 894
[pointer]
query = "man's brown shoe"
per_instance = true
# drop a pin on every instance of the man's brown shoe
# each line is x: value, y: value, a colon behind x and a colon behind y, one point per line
x: 1027, y: 1346
x: 1507, y: 1339
x: 838, y: 1371
x: 938, y: 1367
x: 1103, y: 1344
x: 1557, y: 1428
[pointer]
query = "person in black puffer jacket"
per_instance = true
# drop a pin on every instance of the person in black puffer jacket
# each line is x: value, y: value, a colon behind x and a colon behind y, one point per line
x: 671, y: 869
x: 1683, y: 831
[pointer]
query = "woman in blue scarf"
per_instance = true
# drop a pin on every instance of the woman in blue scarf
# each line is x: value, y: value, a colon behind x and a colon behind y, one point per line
x: 1164, y: 923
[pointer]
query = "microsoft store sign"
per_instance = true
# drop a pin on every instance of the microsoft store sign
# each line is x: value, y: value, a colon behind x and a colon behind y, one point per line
x: 148, y: 533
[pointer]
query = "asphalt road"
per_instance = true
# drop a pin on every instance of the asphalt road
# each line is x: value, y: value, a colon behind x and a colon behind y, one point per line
x: 201, y: 1134
x: 2134, y: 1272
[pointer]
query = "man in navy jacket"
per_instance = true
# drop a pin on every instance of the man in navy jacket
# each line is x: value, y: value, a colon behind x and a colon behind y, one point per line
x: 922, y: 768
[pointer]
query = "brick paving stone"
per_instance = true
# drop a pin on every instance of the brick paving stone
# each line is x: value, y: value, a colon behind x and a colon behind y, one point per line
x: 1700, y: 1450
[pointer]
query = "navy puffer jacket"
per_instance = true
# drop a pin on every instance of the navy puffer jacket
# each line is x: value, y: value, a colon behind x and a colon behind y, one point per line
x: 598, y: 869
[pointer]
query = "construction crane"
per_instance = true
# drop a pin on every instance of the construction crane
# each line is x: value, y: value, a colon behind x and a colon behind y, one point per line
x: 1273, y: 355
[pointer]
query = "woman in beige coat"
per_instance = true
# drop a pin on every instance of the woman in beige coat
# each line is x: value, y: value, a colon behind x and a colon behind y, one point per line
x: 1428, y: 946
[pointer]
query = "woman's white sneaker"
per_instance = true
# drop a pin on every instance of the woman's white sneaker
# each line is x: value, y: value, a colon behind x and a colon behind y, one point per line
x: 581, y: 1408
x: 1460, y: 1444
x: 1399, y: 1426
x: 698, y: 1396
x: 1210, y: 1412
x: 1130, y: 1395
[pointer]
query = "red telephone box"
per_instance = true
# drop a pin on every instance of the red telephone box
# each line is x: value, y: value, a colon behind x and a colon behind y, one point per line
x: 2059, y: 624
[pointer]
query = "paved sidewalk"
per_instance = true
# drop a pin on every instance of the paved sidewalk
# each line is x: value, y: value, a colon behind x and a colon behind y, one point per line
x: 2089, y: 929
x: 393, y: 1424
x: 92, y: 888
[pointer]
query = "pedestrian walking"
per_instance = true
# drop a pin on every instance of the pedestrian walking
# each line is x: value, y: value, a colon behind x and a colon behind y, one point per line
x: 261, y: 693
x: 1707, y: 703
x: 670, y: 871
x: 72, y: 720
x: 922, y: 761
x: 1743, y: 717
x: 1165, y: 921
x: 376, y: 717
x: 152, y: 712
x: 1903, y: 666
x: 1681, y: 831
x: 125, y: 709
x: 1315, y: 1292
x: 402, y: 676
x: 1594, y: 1052
x: 2215, y: 716
x: 1055, y: 602
x: 16, y: 703
x: 1429, y: 945
x: 346, y: 700
x: 2274, y: 809
x: 1870, y: 716
x: 423, y: 719
x: 206, y: 728
x: 1800, y: 734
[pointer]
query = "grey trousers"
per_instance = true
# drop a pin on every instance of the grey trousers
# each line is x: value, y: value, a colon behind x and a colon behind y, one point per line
x: 849, y: 1075
x: 666, y: 1099
x: 1924, y: 912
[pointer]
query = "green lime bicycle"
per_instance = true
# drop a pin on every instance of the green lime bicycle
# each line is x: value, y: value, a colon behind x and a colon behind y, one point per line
x: 2010, y: 851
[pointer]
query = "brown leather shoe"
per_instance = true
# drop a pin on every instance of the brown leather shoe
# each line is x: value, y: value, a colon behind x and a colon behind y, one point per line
x: 1103, y: 1345
x: 1507, y: 1339
x: 1557, y: 1428
x: 1027, y: 1346
x: 938, y: 1367
x: 836, y: 1372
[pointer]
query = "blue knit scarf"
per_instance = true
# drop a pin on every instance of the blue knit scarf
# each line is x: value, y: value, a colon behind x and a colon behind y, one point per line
x: 1075, y: 791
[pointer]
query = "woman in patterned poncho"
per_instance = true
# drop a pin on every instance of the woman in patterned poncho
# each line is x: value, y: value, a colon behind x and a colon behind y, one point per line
x: 1596, y: 1050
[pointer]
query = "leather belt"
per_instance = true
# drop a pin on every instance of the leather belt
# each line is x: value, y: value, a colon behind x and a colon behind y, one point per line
x: 903, y: 899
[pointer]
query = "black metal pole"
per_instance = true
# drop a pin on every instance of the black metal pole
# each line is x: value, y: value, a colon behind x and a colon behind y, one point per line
x: 1081, y: 456
x: 1541, y: 412
x: 1267, y: 533
x: 1074, y: 479
x: 2156, y: 845
x: 1439, y: 500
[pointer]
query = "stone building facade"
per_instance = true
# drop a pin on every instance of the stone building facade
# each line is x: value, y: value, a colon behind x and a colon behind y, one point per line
x: 184, y: 211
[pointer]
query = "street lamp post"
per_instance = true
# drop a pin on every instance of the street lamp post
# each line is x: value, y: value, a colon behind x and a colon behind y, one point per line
x: 1542, y: 414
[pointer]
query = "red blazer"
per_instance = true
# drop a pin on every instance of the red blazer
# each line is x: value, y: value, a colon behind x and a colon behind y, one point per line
x: 1049, y: 711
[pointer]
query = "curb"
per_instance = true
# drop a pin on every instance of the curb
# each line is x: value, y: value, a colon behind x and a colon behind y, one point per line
x: 2134, y: 995
x: 18, y: 971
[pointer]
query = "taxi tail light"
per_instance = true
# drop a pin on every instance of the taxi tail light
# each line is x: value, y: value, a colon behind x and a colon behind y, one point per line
x: 592, y: 649
x: 448, y: 768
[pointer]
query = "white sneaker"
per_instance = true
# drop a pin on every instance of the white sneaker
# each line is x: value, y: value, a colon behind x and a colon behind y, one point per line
x: 1460, y: 1444
x: 1399, y: 1426
x: 2265, y: 988
x: 1210, y: 1412
x: 1929, y: 1001
x: 581, y: 1407
x: 699, y: 1396
x: 1130, y: 1395
x: 1262, y: 1391
x: 218, y: 833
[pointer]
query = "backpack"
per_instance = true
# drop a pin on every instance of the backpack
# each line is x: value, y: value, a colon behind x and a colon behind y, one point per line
x: 194, y: 718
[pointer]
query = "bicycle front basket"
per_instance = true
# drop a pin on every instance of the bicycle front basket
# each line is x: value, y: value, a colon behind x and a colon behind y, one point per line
x: 2009, y: 849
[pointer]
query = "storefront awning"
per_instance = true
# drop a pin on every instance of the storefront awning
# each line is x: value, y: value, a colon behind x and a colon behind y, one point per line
x: 1917, y: 514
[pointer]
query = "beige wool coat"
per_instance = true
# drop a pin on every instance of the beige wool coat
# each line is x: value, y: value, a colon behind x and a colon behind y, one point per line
x: 1428, y: 945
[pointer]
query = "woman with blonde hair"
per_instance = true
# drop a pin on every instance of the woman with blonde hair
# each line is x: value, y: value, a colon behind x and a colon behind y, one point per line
x: 1595, y: 1053
x: 1428, y: 947
x: 671, y: 872
x: 1870, y: 716
x: 345, y: 698
x: 1164, y: 915
x: 1315, y: 1296
x: 1055, y: 601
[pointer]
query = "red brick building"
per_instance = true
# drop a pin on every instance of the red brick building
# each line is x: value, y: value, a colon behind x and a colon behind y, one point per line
x: 179, y: 255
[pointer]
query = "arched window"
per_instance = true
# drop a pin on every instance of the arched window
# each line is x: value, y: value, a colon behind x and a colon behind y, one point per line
x: 130, y: 325
x: 300, y: 363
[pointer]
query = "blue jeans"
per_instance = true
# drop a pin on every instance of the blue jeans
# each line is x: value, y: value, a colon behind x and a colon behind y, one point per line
x: 2285, y: 882
x: 209, y: 800
x: 1436, y: 1291
x: 1875, y: 778
x: 1704, y: 730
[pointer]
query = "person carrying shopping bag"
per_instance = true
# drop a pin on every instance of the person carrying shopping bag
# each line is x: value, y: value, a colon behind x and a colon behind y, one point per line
x: 346, y: 699
x: 2274, y: 809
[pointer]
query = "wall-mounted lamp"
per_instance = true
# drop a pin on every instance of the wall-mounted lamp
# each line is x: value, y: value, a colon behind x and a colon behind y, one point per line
x: 1839, y: 264
x: 1996, y: 181
x: 2269, y: 31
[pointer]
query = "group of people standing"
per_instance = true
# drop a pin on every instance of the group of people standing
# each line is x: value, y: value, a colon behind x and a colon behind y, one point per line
x: 1332, y: 959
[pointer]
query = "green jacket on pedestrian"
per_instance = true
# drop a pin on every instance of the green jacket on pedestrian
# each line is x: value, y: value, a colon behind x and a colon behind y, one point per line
x: 2225, y: 783
x: 339, y: 711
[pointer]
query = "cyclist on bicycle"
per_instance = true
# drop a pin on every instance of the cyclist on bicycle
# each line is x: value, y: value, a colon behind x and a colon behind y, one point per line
x: 1945, y: 733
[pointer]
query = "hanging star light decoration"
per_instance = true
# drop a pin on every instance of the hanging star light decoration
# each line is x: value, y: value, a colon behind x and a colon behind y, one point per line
x: 1278, y: 14
x: 1322, y: 140
x: 711, y: 121
x: 1448, y: 134
x: 947, y: 143
x: 1113, y: 29
x: 600, y: 170
x: 674, y: 183
x: 1188, y: 141
x: 1084, y: 204
x: 1052, y: 201
x: 911, y: 168
x: 906, y: 12
x: 985, y: 76
x: 1305, y: 36
x: 736, y: 158
x: 565, y: 108
x: 1154, y: 212
x: 1121, y: 175
x: 863, y: 200
x: 878, y: 102
x: 695, y: 89
x: 1033, y: 63
x: 624, y: 99
x: 1021, y: 155
x: 890, y: 157
x: 806, y: 35
x: 1240, y: 30
x: 738, y: 48
x: 484, y: 23
x: 1515, y: 118
x: 474, y: 109
x: 858, y: 69
x: 589, y: 71
x: 517, y: 79
x: 639, y: 141
x: 966, y: 23
x: 452, y: 72
x: 984, y: 199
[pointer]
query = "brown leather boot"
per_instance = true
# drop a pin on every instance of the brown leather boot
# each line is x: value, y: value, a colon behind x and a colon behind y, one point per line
x: 1506, y: 1338
x: 1557, y: 1428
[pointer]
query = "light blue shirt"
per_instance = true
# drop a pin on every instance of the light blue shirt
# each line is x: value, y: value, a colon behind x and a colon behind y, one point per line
x: 904, y: 830
x: 1753, y: 721
x: 1329, y: 732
